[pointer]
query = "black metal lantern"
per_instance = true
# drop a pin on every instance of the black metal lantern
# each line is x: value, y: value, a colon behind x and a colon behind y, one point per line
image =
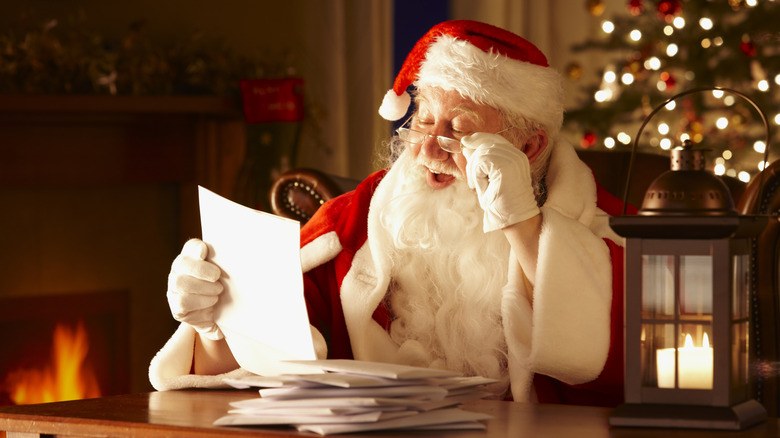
x: 687, y: 289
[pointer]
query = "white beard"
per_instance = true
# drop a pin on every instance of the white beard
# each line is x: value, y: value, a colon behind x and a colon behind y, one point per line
x: 447, y: 277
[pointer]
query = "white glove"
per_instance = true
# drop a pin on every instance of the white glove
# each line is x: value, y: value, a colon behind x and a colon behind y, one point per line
x: 194, y: 288
x: 501, y: 175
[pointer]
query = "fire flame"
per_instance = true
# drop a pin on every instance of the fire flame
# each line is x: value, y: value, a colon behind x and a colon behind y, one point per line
x: 67, y: 377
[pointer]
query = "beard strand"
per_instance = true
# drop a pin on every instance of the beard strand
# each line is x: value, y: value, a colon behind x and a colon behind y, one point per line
x: 447, y: 278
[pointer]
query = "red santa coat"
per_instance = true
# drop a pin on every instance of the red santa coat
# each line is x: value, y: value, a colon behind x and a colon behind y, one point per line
x: 567, y: 330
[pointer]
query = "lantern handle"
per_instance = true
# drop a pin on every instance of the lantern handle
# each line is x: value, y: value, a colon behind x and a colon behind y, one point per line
x: 666, y: 102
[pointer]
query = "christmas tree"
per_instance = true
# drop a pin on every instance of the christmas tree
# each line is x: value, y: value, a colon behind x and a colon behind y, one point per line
x: 659, y: 49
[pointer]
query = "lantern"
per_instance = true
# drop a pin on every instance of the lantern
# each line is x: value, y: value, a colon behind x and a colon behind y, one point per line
x: 687, y: 286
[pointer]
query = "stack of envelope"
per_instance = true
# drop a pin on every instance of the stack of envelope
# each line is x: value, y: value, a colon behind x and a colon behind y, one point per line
x: 343, y: 396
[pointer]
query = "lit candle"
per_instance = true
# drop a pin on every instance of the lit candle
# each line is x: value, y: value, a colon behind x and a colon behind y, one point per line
x: 695, y: 370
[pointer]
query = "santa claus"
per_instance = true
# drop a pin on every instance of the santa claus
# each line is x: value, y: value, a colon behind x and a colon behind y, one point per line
x: 483, y: 247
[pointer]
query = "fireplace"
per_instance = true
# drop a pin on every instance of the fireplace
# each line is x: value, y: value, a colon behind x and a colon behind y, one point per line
x: 99, y: 193
x: 64, y: 346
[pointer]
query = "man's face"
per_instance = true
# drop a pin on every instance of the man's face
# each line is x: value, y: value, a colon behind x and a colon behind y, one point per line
x: 448, y: 114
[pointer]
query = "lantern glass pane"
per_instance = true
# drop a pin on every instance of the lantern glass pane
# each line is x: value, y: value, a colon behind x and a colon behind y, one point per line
x: 739, y: 355
x: 740, y: 290
x: 695, y: 285
x: 657, y: 286
x: 658, y: 359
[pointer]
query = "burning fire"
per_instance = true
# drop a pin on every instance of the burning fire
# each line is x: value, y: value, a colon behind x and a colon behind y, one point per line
x: 67, y: 377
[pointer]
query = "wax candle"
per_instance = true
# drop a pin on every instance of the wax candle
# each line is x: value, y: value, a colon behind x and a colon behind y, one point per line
x: 695, y: 371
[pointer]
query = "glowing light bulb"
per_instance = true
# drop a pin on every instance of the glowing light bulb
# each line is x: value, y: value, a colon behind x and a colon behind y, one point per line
x: 671, y: 49
x: 763, y: 85
x: 759, y: 147
x: 717, y: 93
x: 668, y: 30
x: 627, y: 78
x: 610, y: 76
x: 670, y: 106
x: 608, y: 26
x: 678, y: 22
x: 663, y: 128
x: 666, y: 144
x: 603, y: 95
x: 722, y: 123
x: 635, y: 35
x: 609, y: 142
x: 719, y: 169
x: 624, y: 138
x: 743, y: 176
x: 653, y: 63
x: 727, y: 154
x: 705, y: 23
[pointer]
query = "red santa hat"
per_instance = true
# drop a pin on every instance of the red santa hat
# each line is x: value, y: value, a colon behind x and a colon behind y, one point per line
x: 486, y: 64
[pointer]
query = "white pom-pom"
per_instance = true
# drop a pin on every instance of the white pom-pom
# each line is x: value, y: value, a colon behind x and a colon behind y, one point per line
x: 394, y: 106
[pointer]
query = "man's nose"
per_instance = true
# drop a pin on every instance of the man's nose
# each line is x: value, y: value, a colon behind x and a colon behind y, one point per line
x: 431, y: 149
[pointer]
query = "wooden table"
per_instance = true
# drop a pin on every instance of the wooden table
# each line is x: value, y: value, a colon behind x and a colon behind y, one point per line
x: 190, y: 414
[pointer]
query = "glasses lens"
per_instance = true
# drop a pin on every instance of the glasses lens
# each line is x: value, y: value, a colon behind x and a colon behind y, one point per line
x: 450, y: 145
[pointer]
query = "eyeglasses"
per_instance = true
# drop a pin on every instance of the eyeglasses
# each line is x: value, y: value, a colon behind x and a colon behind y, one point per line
x: 446, y: 143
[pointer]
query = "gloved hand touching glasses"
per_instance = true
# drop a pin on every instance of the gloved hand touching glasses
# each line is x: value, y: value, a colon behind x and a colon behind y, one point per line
x: 501, y: 175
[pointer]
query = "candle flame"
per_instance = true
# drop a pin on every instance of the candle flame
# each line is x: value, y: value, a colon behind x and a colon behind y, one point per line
x: 705, y: 342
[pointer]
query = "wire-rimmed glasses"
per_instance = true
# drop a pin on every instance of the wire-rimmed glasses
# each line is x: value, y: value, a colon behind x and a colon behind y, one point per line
x: 446, y: 143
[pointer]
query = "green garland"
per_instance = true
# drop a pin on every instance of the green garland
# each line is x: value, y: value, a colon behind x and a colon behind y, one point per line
x: 49, y: 57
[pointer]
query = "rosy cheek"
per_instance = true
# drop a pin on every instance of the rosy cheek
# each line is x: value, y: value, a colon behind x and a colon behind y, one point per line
x: 460, y: 161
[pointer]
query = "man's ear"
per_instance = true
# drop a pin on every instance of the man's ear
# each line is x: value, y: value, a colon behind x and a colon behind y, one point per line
x: 535, y: 145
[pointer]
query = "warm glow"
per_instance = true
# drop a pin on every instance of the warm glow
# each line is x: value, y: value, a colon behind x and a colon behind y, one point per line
x: 67, y: 377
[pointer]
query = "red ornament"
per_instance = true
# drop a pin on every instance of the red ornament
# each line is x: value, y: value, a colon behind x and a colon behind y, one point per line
x: 669, y: 80
x: 667, y: 9
x: 635, y: 7
x: 588, y: 140
x: 748, y: 48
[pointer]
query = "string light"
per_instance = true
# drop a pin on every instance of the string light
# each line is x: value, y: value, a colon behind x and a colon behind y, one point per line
x: 729, y: 100
x: 777, y: 119
x: 722, y: 122
x: 666, y: 144
x: 635, y: 35
x: 743, y: 176
x: 627, y: 78
x: 608, y: 26
x: 624, y: 138
x: 663, y: 128
x: 717, y: 93
x: 668, y: 30
x: 727, y: 154
x: 654, y: 63
x: 719, y: 169
x: 679, y: 22
x: 609, y: 142
x: 672, y: 105
x: 762, y: 165
x: 705, y: 23
x: 671, y: 49
x: 763, y: 85
x: 759, y: 146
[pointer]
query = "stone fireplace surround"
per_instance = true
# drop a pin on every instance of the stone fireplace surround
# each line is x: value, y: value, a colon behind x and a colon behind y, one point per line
x: 98, y: 195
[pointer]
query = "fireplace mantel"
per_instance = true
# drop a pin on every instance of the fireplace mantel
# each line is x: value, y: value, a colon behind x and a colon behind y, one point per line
x: 101, y: 192
x: 66, y: 140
